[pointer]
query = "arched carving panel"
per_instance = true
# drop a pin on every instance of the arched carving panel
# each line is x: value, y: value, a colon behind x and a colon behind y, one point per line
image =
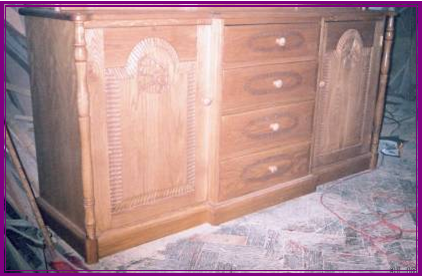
x: 343, y: 93
x: 151, y: 126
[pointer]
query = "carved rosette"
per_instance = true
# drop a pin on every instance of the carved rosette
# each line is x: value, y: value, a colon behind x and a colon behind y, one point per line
x: 155, y: 63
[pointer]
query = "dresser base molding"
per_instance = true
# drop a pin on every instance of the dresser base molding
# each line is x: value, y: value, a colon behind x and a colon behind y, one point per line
x: 123, y: 238
x: 255, y: 201
x: 339, y: 170
x: 119, y: 239
x: 68, y: 231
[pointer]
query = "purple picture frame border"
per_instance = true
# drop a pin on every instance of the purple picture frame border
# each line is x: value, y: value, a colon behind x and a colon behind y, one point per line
x: 416, y: 4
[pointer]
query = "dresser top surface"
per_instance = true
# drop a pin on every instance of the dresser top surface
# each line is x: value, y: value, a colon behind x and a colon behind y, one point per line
x: 92, y: 13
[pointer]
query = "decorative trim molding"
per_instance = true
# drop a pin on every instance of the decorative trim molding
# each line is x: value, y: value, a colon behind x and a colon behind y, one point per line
x: 115, y: 149
x: 85, y: 140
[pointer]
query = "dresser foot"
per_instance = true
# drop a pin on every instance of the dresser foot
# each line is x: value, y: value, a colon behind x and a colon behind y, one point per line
x: 91, y: 251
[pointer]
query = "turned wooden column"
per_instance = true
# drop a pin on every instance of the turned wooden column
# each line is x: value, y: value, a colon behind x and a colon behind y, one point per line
x: 84, y: 129
x: 383, y: 83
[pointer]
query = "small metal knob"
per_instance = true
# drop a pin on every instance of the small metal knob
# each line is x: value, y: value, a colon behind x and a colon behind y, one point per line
x: 322, y: 84
x: 281, y: 41
x: 207, y: 101
x: 278, y: 83
x: 274, y: 127
x: 273, y: 169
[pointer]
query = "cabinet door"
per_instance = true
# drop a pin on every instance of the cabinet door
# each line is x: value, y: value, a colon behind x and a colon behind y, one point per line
x: 147, y: 120
x: 349, y: 67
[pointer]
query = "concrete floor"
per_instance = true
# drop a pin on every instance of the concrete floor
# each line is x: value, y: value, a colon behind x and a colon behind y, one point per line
x: 364, y: 222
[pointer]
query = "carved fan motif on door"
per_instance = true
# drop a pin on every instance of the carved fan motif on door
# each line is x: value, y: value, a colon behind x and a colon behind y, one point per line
x: 140, y: 97
x: 157, y: 65
x: 345, y: 75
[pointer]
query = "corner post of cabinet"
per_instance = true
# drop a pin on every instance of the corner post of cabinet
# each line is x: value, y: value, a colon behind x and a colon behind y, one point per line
x: 383, y: 83
x: 216, y: 75
x: 91, y: 247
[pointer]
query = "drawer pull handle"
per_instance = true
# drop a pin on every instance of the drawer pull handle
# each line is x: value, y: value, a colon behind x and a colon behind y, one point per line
x: 322, y: 84
x: 273, y: 169
x: 274, y: 127
x: 207, y: 101
x: 281, y: 41
x: 278, y: 83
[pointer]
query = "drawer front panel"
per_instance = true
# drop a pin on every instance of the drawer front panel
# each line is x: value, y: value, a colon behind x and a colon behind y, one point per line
x: 252, y: 86
x: 267, y: 128
x: 267, y: 42
x: 254, y: 172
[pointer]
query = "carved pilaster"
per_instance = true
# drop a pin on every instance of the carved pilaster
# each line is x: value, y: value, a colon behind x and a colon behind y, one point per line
x: 383, y: 82
x: 84, y: 129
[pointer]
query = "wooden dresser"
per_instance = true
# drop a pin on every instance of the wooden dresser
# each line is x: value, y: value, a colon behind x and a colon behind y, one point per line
x: 149, y: 121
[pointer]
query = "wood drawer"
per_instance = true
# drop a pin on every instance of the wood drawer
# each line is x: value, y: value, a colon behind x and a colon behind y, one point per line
x: 254, y: 172
x: 269, y: 85
x: 259, y: 130
x: 269, y: 42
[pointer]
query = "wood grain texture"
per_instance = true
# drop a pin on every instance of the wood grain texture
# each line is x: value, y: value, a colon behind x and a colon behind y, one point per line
x: 263, y: 129
x: 316, y: 102
x: 217, y: 29
x: 336, y: 30
x: 125, y: 237
x: 151, y: 126
x: 206, y: 71
x: 154, y: 210
x: 268, y: 85
x: 162, y: 16
x: 257, y: 171
x: 55, y: 105
x: 103, y: 21
x: 342, y: 169
x: 269, y: 42
x: 227, y: 210
x: 344, y: 95
x: 119, y: 42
